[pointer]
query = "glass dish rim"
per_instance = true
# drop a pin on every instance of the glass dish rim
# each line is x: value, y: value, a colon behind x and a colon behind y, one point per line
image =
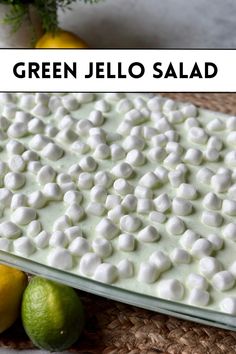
x: 167, y: 307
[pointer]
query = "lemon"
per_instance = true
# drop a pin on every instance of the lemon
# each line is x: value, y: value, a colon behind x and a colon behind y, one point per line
x: 61, y: 39
x: 52, y: 314
x: 12, y: 285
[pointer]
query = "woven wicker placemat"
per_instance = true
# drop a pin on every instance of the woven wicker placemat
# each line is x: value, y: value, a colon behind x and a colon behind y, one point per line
x: 115, y: 328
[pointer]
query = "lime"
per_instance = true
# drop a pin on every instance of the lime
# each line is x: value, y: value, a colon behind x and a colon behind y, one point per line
x: 12, y: 285
x: 52, y: 314
x: 60, y: 39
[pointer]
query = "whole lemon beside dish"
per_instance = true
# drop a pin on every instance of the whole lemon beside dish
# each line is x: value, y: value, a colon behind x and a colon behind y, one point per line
x: 60, y: 39
x: 12, y: 285
x: 52, y: 314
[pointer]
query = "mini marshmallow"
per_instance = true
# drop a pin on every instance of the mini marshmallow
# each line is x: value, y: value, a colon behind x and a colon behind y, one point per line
x: 95, y: 208
x: 14, y: 180
x: 214, y: 142
x: 106, y: 228
x: 3, y: 168
x: 103, y: 178
x: 187, y: 191
x: 50, y: 131
x: 18, y: 200
x: 155, y: 216
x: 75, y: 212
x: 9, y: 110
x: 171, y: 289
x: 36, y: 126
x: 60, y: 258
x: 98, y: 194
x: 180, y: 256
x: 122, y: 187
x: 156, y: 154
x: 162, y: 203
x: 102, y: 106
x: 139, y: 102
x: 89, y: 263
x: 217, y: 241
x: 230, y: 158
x: 34, y: 166
x: 154, y: 104
x: 96, y: 117
x: 228, y: 305
x: 5, y: 197
x: 211, y: 155
x: 85, y: 180
x: 209, y: 266
x: 125, y: 268
x: 79, y: 246
x: 149, y: 132
x: 58, y: 239
x: 30, y: 155
x: 223, y: 280
x: 62, y: 223
x: 16, y: 163
x: 24, y: 246
x: 122, y: 170
x: 189, y: 110
x: 34, y: 228
x: 40, y: 110
x: 201, y: 248
x: 172, y: 135
x: 144, y: 206
x: 74, y: 171
x: 212, y: 201
x: 67, y: 136
x: 124, y: 128
x: 17, y: 130
x: 149, y: 180
x: 133, y: 142
x: 36, y: 200
x: 188, y: 239
x: 52, y: 191
x: 193, y: 157
x: 198, y: 297
x: 65, y: 187
x: 42, y: 239
x: 88, y: 164
x: 176, y: 177
x: 211, y: 218
x: 197, y: 135
x: 196, y: 281
x: 162, y: 173
x: 204, y: 175
x: 135, y: 158
x: 159, y: 140
x: 162, y: 125
x: 38, y: 142
x: 83, y: 126
x: 148, y: 273
x: 126, y: 242
x: 175, y: 117
x: 102, y: 247
x: 129, y: 223
x: 52, y: 152
x: 229, y: 207
x: 129, y: 203
x: 112, y: 201
x: 114, y: 96
x: 24, y: 215
x: 106, y: 273
x: 175, y: 226
x: 60, y: 112
x: 5, y: 245
x: 229, y: 231
x: 46, y: 175
x: 117, y: 152
x: 10, y: 230
x: 85, y: 97
x: 143, y: 192
x: 63, y: 178
x: 102, y: 152
x: 181, y: 207
x: 220, y: 182
x: 124, y: 105
x: 5, y: 97
x: 70, y: 102
x: 148, y: 234
x: 161, y: 261
x: 73, y: 232
x: 72, y: 197
x: 42, y: 98
x: 116, y: 213
x: 135, y: 117
x: 80, y: 147
x: 172, y: 160
x: 215, y: 125
x: 138, y: 131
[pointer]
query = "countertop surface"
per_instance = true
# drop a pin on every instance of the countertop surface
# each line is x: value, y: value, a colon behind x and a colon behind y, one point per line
x: 152, y: 24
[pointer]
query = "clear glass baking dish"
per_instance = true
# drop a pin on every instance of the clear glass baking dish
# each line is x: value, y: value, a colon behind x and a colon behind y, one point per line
x: 183, y: 311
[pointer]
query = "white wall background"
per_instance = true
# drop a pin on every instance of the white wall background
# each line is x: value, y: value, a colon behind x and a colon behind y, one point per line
x: 154, y: 23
